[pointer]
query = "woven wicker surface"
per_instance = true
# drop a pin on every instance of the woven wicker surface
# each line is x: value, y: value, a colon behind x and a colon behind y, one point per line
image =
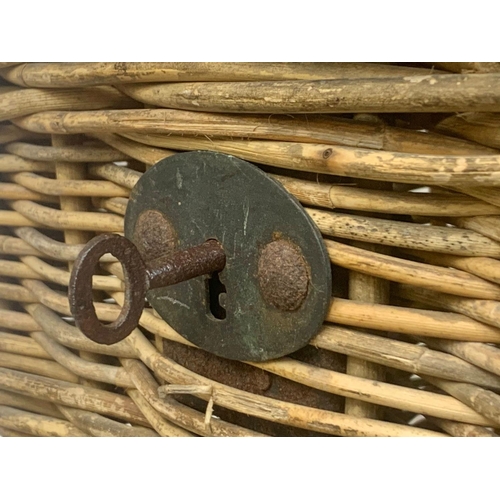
x: 396, y: 165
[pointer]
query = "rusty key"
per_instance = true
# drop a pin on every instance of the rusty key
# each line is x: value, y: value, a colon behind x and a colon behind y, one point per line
x: 206, y: 258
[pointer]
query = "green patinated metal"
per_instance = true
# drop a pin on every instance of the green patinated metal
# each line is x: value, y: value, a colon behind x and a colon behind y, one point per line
x: 208, y: 195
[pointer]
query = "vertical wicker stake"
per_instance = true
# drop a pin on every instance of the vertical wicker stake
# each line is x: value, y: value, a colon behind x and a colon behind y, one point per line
x: 373, y: 290
x: 75, y: 171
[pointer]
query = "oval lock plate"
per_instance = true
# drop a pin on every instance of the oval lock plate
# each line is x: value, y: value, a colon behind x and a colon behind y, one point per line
x: 273, y: 294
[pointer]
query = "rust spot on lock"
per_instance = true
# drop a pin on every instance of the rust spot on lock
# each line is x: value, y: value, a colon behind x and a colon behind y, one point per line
x: 154, y: 235
x: 257, y: 381
x: 283, y: 275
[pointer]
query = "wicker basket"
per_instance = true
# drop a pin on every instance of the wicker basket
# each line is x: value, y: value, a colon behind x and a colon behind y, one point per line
x: 398, y: 167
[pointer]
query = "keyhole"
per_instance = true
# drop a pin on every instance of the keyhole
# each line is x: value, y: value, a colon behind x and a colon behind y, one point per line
x: 215, y: 289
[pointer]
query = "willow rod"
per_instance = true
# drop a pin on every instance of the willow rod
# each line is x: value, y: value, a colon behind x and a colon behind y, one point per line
x: 403, y: 234
x: 37, y: 214
x: 47, y: 368
x: 28, y: 403
x: 406, y: 94
x: 486, y: 225
x: 479, y: 127
x: 16, y: 293
x: 11, y: 191
x: 410, y: 321
x: 85, y: 74
x: 160, y: 424
x: 446, y: 170
x: 99, y: 426
x: 485, y: 311
x: 485, y: 402
x: 404, y: 356
x: 4, y: 432
x: 298, y: 128
x: 7, y: 64
x: 27, y: 101
x: 373, y: 391
x: 14, y: 320
x: 114, y: 205
x: 11, y: 133
x: 113, y: 375
x: 141, y: 152
x: 484, y: 356
x: 13, y: 163
x: 12, y: 218
x: 118, y: 174
x: 406, y: 271
x: 38, y: 425
x: 15, y: 246
x: 458, y: 429
x: 18, y: 344
x: 73, y: 395
x: 17, y: 270
x: 142, y: 351
x: 67, y: 187
x: 183, y: 417
x: 468, y: 67
x: 90, y: 153
x: 378, y: 201
x: 484, y: 267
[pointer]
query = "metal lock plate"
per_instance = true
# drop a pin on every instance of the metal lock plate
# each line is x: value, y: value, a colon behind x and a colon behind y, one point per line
x: 274, y: 291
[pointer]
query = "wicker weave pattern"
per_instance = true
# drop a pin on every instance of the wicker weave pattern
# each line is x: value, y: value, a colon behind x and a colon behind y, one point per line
x: 409, y: 344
